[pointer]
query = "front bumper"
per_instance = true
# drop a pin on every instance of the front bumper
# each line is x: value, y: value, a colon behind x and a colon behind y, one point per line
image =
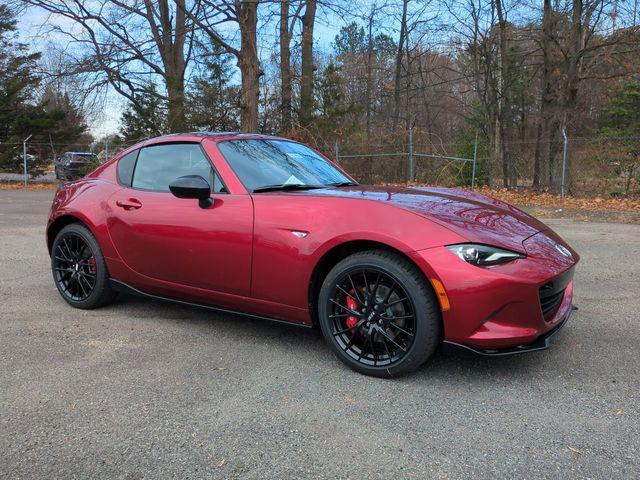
x: 542, y: 343
x: 499, y: 308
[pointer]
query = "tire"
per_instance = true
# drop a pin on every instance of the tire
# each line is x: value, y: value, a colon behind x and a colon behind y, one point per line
x: 70, y: 261
x: 395, y: 308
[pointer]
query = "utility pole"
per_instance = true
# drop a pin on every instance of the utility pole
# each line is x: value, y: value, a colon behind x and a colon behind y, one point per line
x: 475, y: 162
x: 564, y: 161
x: 24, y: 158
x: 411, y: 166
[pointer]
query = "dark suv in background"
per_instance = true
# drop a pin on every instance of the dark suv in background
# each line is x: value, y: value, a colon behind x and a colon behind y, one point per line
x: 72, y: 165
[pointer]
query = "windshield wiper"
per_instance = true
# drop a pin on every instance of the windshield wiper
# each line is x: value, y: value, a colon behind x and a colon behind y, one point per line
x: 342, y: 184
x: 285, y: 186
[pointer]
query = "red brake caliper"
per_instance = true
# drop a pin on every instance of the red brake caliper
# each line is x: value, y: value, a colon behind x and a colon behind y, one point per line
x: 92, y: 265
x: 351, y: 305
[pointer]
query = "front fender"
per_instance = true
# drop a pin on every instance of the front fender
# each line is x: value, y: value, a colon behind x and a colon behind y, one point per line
x: 283, y: 263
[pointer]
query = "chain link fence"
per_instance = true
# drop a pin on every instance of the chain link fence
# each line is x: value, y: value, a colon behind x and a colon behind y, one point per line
x: 592, y: 166
x: 579, y: 166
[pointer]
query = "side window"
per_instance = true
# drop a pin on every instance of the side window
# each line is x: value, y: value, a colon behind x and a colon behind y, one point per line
x: 125, y: 168
x: 159, y: 165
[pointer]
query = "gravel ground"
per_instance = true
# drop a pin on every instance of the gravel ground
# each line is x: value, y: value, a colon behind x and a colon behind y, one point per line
x: 150, y: 390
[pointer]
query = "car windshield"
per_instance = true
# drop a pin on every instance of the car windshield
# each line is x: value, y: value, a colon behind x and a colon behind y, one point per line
x: 263, y: 165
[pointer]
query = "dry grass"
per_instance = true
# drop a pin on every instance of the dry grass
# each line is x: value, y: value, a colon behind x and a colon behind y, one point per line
x: 30, y: 186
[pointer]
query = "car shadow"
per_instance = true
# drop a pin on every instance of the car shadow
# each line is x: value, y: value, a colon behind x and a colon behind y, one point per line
x: 449, y: 363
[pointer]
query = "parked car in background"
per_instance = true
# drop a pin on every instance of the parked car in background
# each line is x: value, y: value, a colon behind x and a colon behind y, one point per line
x: 74, y: 165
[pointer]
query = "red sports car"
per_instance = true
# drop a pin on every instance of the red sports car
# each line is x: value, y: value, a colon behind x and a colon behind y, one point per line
x: 270, y: 228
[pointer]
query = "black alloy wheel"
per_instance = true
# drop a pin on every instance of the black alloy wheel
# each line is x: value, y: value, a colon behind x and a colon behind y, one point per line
x: 373, y: 318
x: 74, y: 266
x: 78, y: 268
x: 379, y: 314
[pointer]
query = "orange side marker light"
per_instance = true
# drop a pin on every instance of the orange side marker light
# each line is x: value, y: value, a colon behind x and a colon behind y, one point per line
x: 445, y: 306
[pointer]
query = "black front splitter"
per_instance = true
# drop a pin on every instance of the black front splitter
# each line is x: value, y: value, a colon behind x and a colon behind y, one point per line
x: 541, y: 343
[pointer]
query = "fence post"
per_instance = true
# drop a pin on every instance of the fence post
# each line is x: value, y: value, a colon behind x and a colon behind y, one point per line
x: 24, y: 158
x: 475, y: 162
x: 337, y: 151
x: 411, y: 166
x: 564, y: 161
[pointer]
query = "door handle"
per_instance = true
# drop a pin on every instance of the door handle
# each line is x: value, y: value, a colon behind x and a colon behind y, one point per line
x: 129, y: 204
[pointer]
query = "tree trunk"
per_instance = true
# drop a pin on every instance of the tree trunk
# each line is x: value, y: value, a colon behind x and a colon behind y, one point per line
x: 546, y: 102
x: 175, y: 95
x: 249, y: 65
x: 170, y: 39
x: 285, y: 69
x: 398, y: 75
x: 509, y: 177
x: 308, y: 67
x: 369, y: 71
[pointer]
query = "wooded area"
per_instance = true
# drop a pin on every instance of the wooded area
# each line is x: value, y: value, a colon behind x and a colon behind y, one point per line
x: 515, y: 75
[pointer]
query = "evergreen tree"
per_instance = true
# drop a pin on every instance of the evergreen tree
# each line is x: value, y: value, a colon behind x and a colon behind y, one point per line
x: 213, y: 104
x: 55, y: 124
x: 146, y: 118
x: 17, y: 83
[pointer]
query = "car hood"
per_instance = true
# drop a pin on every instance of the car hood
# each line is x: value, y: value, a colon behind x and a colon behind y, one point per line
x: 474, y: 216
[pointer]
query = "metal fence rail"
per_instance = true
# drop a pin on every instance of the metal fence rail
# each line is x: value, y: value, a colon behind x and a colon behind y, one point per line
x: 411, y: 155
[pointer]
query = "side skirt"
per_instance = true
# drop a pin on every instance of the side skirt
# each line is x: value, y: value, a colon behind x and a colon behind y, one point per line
x: 126, y: 288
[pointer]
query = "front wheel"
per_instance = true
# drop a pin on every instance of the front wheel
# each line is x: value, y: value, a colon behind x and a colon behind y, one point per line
x: 378, y: 314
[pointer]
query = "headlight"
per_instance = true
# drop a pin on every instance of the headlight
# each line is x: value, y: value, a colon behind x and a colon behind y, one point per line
x: 483, y: 255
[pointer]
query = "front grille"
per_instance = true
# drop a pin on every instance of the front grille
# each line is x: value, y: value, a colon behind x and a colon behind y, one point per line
x: 550, y: 300
x: 552, y: 293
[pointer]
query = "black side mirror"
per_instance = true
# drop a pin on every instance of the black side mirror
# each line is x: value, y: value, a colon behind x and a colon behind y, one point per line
x: 192, y: 186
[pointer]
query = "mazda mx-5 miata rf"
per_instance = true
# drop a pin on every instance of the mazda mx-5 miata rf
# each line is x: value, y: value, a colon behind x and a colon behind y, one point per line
x: 270, y: 228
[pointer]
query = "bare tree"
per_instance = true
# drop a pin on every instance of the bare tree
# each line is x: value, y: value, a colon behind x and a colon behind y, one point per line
x: 398, y: 66
x: 209, y: 16
x: 285, y: 68
x: 308, y: 64
x: 370, y: 21
x: 288, y: 21
x: 546, y: 95
x: 126, y: 44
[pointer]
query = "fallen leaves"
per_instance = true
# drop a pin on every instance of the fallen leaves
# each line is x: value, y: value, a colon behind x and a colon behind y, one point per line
x: 619, y: 412
x: 30, y: 186
x: 573, y: 450
x: 544, y: 199
x: 350, y: 400
x: 145, y: 411
x: 532, y: 198
x: 222, y: 463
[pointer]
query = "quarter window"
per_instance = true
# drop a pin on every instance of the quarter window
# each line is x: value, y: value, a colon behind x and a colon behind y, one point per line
x: 125, y: 168
x: 159, y: 165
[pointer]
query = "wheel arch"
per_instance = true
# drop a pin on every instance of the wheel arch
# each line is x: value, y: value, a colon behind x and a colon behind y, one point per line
x: 59, y: 223
x: 339, y: 252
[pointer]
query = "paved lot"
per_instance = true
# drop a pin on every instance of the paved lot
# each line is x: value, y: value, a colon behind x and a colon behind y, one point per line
x: 148, y: 390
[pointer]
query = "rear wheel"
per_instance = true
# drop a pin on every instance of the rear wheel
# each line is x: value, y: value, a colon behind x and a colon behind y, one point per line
x: 78, y: 268
x: 378, y: 314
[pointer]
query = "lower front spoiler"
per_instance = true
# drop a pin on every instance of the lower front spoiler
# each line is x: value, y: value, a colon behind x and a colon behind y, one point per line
x: 542, y: 342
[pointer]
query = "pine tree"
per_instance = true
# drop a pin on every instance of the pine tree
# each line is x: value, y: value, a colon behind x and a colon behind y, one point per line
x: 17, y: 82
x: 146, y: 118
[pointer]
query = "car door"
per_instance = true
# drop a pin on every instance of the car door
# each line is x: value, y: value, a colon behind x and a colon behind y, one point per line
x: 166, y: 238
